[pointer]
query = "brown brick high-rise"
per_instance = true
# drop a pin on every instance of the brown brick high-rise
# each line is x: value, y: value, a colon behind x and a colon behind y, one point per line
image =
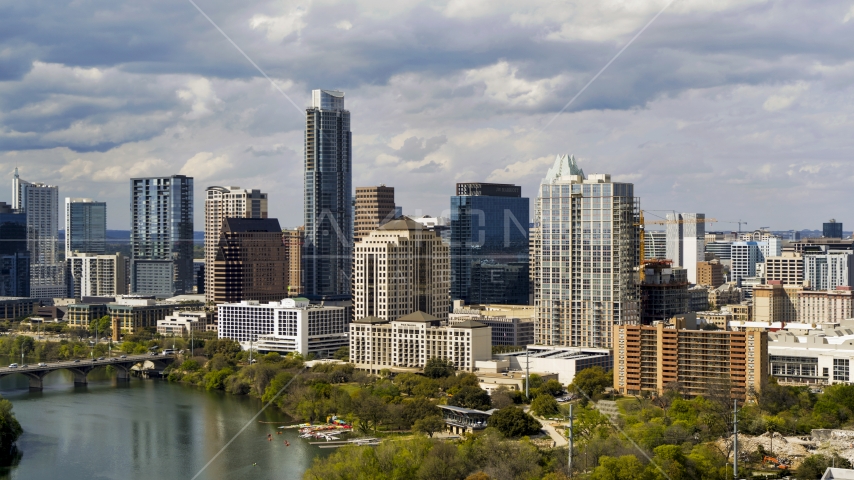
x: 374, y: 207
x: 251, y: 261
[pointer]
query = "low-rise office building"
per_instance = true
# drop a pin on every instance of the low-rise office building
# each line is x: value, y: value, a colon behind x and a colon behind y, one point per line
x: 132, y: 313
x: 776, y: 302
x: 511, y: 324
x: 821, y: 356
x: 788, y: 268
x: 564, y: 361
x: 181, y: 323
x: 291, y: 325
x: 411, y: 340
x: 697, y: 362
x: 710, y: 273
x: 17, y: 307
x: 698, y: 296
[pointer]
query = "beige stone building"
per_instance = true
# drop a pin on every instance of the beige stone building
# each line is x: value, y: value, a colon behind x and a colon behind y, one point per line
x: 822, y: 306
x: 222, y: 203
x: 776, y: 302
x: 401, y: 268
x: 652, y: 358
x: 788, y: 268
x: 411, y: 340
x: 710, y: 273
x: 293, y: 241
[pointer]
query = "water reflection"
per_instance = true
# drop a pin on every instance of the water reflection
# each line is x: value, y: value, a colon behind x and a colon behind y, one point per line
x: 145, y: 429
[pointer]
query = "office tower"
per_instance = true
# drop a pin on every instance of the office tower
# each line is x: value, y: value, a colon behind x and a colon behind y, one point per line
x: 293, y: 241
x: 511, y: 324
x: 743, y: 257
x: 655, y: 244
x: 664, y: 291
x: 374, y: 207
x: 85, y: 226
x: 775, y: 302
x: 832, y: 229
x: 289, y: 325
x: 534, y: 244
x: 91, y: 275
x: 771, y: 246
x: 788, y: 268
x: 829, y: 269
x: 710, y: 273
x: 14, y: 256
x: 250, y: 262
x: 588, y: 256
x: 489, y: 244
x: 686, y: 233
x: 222, y: 203
x: 161, y: 236
x: 328, y: 245
x: 41, y: 204
x: 401, y: 268
x: 651, y: 358
x: 721, y: 250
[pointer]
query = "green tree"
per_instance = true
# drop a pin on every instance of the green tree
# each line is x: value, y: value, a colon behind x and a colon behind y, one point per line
x: 439, y: 368
x: 814, y: 466
x: 471, y: 397
x: 513, y: 422
x: 10, y: 429
x: 102, y: 326
x: 342, y: 353
x: 626, y: 467
x: 591, y: 382
x: 429, y: 425
x: 215, y: 380
x: 552, y: 387
x: 417, y: 408
x: 545, y: 405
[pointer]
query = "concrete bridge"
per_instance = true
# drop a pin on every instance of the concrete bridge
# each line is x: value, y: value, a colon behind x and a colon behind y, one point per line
x: 81, y: 368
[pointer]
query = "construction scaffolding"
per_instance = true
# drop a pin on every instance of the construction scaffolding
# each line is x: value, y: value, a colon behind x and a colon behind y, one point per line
x: 664, y: 291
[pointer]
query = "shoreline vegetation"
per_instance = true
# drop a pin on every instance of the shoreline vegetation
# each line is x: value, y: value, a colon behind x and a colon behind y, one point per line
x: 654, y: 437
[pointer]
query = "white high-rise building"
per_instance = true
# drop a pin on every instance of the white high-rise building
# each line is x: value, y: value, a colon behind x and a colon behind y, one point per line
x: 686, y: 234
x: 91, y: 275
x: 588, y: 250
x: 828, y: 270
x: 743, y: 257
x: 222, y: 203
x: 401, y: 268
x: 292, y: 325
x: 41, y: 204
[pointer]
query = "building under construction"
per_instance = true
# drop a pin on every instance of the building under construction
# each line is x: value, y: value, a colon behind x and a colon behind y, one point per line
x: 664, y: 291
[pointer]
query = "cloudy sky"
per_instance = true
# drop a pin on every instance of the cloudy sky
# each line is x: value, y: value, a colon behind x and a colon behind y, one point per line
x: 739, y: 109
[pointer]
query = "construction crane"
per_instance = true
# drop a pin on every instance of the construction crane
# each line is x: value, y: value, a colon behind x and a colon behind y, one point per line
x: 739, y: 222
x: 672, y: 222
x: 641, y: 225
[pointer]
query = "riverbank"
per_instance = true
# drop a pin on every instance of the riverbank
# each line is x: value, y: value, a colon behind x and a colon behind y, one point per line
x: 146, y: 429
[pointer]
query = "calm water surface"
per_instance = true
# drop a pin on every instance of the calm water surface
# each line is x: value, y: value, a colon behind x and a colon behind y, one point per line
x: 146, y: 429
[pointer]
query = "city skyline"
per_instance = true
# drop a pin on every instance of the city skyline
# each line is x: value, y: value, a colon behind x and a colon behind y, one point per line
x: 679, y: 114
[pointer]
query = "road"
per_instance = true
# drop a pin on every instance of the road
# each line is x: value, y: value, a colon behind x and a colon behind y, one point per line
x: 34, y: 367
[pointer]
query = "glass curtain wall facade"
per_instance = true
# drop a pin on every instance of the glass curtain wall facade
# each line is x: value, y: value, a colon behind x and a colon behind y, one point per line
x: 85, y: 226
x: 589, y: 252
x: 328, y: 248
x: 41, y: 204
x: 489, y: 244
x: 14, y: 257
x: 162, y: 235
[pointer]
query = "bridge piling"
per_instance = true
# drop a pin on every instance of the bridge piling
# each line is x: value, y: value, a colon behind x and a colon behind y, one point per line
x: 36, y: 382
x: 80, y: 377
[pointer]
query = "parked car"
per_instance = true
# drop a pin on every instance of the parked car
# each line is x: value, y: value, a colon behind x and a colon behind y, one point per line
x: 13, y: 365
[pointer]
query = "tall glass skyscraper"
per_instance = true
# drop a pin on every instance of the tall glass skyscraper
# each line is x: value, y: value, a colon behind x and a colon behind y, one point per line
x: 328, y: 197
x: 588, y: 252
x: 85, y: 226
x: 14, y: 257
x: 489, y: 244
x: 40, y: 202
x: 161, y: 235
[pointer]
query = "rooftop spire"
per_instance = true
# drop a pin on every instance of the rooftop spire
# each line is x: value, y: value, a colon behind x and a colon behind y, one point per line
x: 563, y: 165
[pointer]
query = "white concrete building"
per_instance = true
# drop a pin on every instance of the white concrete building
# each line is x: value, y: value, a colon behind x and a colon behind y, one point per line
x: 585, y: 279
x: 686, y: 234
x: 222, y: 203
x: 822, y: 356
x: 91, y: 275
x: 292, y: 325
x: 828, y: 270
x: 743, y: 257
x: 401, y: 268
x: 564, y: 361
x: 181, y: 323
x: 411, y: 340
x: 511, y: 324
x: 41, y: 204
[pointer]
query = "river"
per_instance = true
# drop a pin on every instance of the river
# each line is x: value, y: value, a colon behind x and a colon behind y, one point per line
x: 146, y: 429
